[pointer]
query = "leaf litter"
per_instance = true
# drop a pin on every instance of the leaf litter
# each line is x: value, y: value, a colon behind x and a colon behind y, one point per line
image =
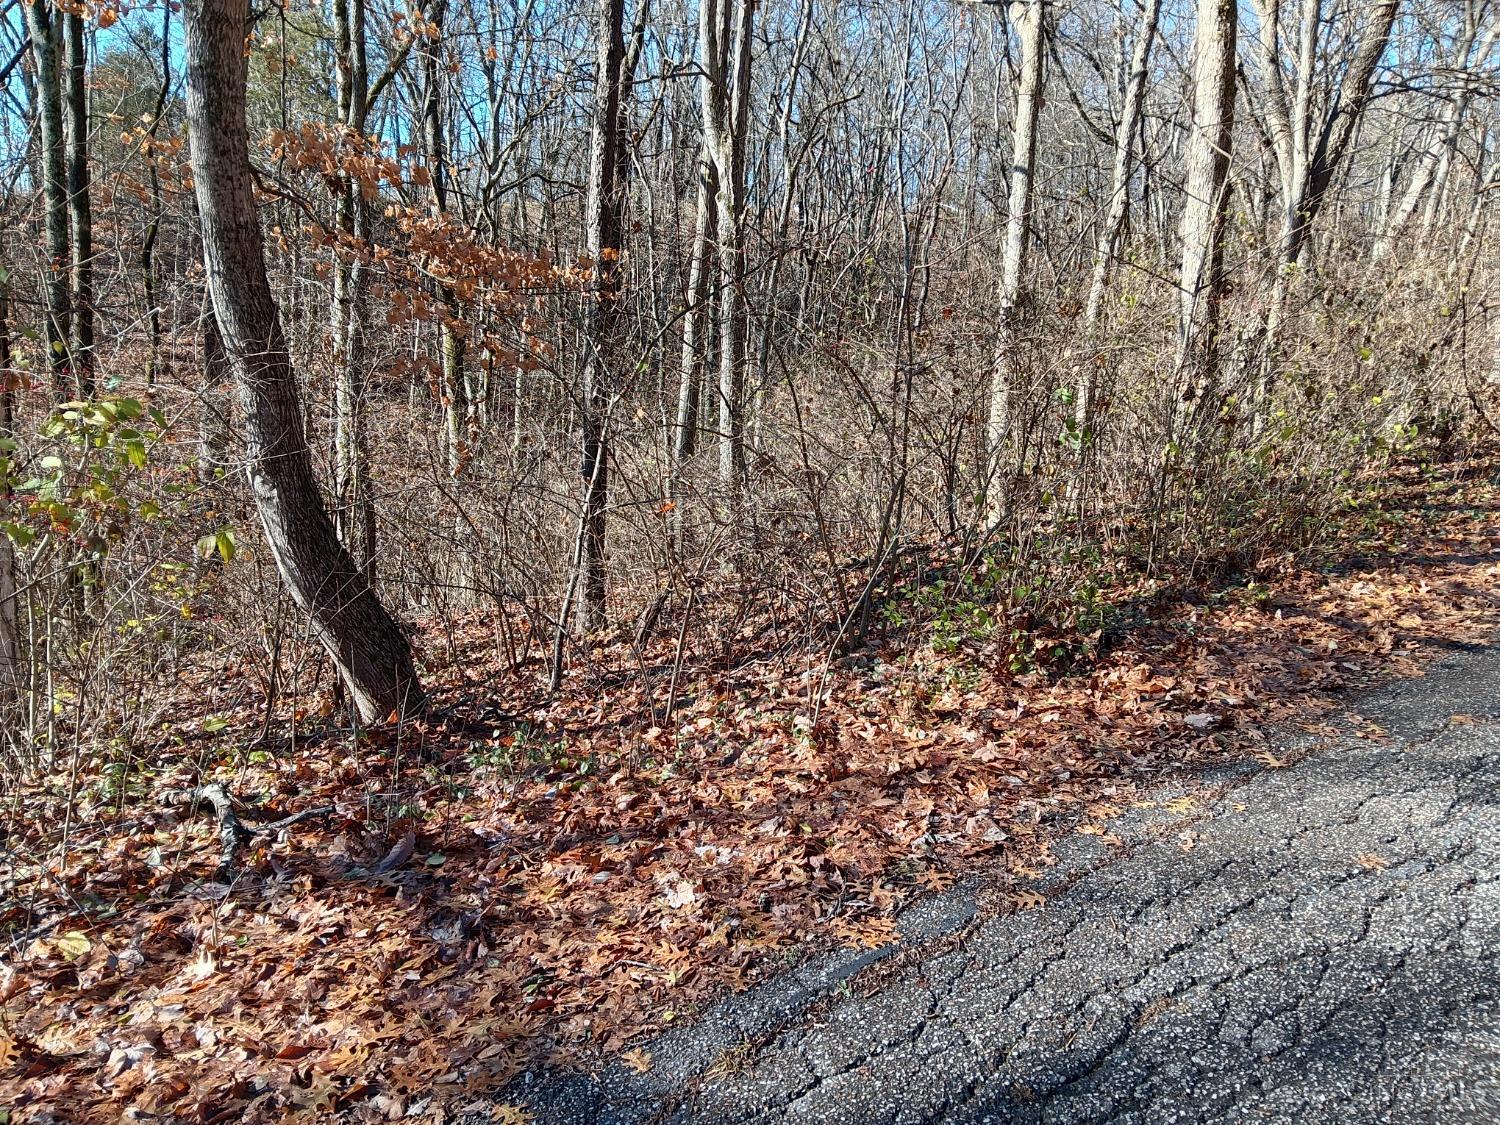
x: 488, y: 894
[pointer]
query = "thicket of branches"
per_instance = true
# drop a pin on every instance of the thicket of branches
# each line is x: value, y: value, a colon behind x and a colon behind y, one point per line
x: 592, y: 307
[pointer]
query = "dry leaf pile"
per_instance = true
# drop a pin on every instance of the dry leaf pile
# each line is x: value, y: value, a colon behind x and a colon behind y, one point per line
x: 486, y: 893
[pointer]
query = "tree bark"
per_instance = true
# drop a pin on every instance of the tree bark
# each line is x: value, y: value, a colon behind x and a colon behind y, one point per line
x: 44, y: 53
x: 353, y: 504
x: 80, y: 209
x: 724, y: 34
x: 1107, y: 246
x: 1210, y: 139
x: 365, y: 644
x: 1029, y: 19
x: 605, y: 220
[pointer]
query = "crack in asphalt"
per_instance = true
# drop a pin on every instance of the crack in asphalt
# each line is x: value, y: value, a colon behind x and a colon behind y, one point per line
x: 1327, y: 950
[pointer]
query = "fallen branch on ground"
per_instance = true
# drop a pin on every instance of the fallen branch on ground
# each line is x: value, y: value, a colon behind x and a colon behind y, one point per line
x: 234, y: 833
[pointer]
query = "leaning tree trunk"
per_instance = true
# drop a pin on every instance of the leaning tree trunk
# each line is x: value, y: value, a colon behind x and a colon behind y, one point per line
x: 1030, y: 21
x: 364, y: 642
x: 48, y: 87
x: 1207, y: 183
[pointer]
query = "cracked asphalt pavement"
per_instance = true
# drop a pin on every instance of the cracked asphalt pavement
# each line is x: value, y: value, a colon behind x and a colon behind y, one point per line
x: 1325, y: 951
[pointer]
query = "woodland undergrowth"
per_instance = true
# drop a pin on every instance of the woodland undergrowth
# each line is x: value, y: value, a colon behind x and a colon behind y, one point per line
x: 524, y: 877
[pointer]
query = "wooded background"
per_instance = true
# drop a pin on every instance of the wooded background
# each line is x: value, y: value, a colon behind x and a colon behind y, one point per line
x: 627, y: 321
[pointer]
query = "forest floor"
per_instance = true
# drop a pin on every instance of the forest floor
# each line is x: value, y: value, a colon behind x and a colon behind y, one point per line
x: 1318, y: 942
x: 472, y: 898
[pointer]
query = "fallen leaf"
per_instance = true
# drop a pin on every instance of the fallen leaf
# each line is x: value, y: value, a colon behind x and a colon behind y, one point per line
x: 398, y: 854
x: 638, y: 1060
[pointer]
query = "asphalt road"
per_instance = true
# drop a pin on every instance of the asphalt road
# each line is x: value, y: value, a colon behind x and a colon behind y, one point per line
x: 1323, y: 950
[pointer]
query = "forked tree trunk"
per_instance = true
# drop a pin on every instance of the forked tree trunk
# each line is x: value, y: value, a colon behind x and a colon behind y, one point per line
x: 1201, y: 281
x: 365, y: 644
x: 1308, y: 164
x: 1030, y: 21
x: 44, y: 52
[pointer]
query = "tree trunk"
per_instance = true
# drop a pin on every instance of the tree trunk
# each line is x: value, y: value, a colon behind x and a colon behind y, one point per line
x: 1207, y: 181
x: 365, y: 644
x: 80, y: 211
x: 695, y: 332
x: 44, y: 52
x: 1308, y: 168
x: 724, y: 34
x: 1107, y: 247
x: 10, y: 640
x: 606, y: 220
x: 353, y: 504
x: 453, y: 389
x: 1030, y: 22
x: 153, y: 228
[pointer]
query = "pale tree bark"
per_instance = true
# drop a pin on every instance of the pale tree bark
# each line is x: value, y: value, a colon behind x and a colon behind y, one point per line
x: 9, y: 610
x: 724, y: 40
x: 1107, y: 245
x: 80, y: 209
x: 153, y: 228
x: 1030, y: 21
x: 366, y: 645
x: 1466, y: 60
x: 48, y: 87
x: 696, y: 341
x: 353, y: 504
x: 605, y: 220
x: 1309, y: 154
x: 1201, y: 279
x: 453, y: 388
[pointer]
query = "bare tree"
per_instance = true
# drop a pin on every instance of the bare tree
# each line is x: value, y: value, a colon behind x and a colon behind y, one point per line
x: 1030, y: 20
x: 1309, y: 152
x: 724, y: 40
x: 605, y: 218
x: 80, y: 210
x: 1111, y: 232
x: 1201, y: 281
x: 48, y: 92
x: 363, y: 641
